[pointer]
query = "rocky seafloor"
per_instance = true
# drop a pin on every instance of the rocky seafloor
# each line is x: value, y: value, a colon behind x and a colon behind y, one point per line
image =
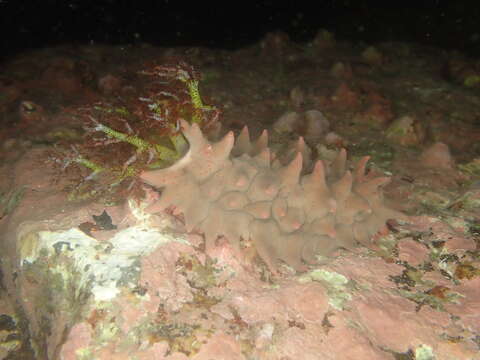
x: 91, y: 280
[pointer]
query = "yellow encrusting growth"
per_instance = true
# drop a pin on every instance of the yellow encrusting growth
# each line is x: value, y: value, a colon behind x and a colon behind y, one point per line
x: 197, y: 102
x: 139, y: 143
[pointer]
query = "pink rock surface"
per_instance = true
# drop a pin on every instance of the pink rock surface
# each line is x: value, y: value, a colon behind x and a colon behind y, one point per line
x: 109, y: 84
x: 373, y: 272
x: 441, y: 231
x: 220, y: 346
x: 238, y: 311
x: 78, y: 338
x: 412, y: 251
x: 391, y: 322
x: 378, y: 112
x: 179, y: 302
x: 346, y: 342
x: 437, y: 156
x: 468, y: 307
x: 158, y: 276
x: 188, y: 304
x: 345, y: 97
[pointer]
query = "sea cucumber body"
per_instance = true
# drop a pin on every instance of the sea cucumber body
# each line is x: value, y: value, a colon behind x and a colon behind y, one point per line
x: 237, y: 191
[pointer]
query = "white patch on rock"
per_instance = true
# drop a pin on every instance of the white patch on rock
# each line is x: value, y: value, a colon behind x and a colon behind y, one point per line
x: 101, y: 264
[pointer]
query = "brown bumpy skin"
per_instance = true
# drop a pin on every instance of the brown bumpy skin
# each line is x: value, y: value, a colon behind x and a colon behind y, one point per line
x: 289, y: 217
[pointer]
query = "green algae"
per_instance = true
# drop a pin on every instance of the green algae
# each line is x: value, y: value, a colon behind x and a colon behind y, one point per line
x: 336, y: 284
x: 9, y: 200
x: 424, y: 352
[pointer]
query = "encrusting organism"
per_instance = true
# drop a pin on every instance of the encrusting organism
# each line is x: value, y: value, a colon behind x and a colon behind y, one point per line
x: 239, y: 190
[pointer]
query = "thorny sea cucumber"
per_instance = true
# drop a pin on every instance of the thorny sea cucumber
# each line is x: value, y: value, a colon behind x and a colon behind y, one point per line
x: 250, y: 195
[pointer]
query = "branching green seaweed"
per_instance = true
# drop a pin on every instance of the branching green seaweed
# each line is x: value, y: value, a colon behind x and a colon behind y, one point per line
x: 122, y: 139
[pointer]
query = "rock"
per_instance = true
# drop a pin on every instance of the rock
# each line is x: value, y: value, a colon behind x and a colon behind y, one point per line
x: 64, y: 76
x: 276, y: 44
x: 437, y: 156
x: 311, y: 124
x: 332, y: 138
x: 373, y: 56
x: 287, y: 123
x: 324, y: 39
x: 344, y: 97
x: 406, y: 131
x: 109, y: 84
x: 297, y: 97
x: 316, y: 125
x: 378, y: 112
x: 341, y: 70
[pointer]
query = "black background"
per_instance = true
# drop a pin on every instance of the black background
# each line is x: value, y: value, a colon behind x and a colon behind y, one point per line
x: 450, y: 24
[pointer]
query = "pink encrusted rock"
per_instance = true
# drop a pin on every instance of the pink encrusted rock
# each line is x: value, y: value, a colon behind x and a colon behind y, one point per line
x: 468, y: 307
x: 323, y: 40
x: 300, y: 302
x: 412, y: 251
x: 297, y: 97
x: 109, y: 84
x: 335, y: 140
x: 251, y: 308
x: 437, y: 156
x: 312, y: 342
x: 134, y: 312
x: 373, y: 272
x: 406, y: 130
x: 126, y: 351
x: 459, y: 242
x: 372, y: 56
x: 311, y: 124
x: 392, y: 322
x: 343, y: 341
x: 159, y: 277
x: 220, y: 346
x: 435, y: 318
x: 422, y: 223
x: 289, y: 217
x: 11, y: 95
x: 341, y: 70
x: 276, y: 44
x: 437, y: 278
x: 225, y: 255
x: 315, y: 125
x: 378, y: 112
x: 112, y: 352
x: 344, y: 97
x: 64, y: 76
x: 441, y: 231
x: 296, y: 343
x: 32, y: 117
x: 157, y: 352
x: 306, y: 302
x: 79, y: 337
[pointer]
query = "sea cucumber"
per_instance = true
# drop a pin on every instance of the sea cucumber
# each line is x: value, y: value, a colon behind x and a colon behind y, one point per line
x: 235, y: 189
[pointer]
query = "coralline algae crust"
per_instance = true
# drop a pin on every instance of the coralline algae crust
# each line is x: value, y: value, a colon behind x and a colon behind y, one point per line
x: 237, y: 189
